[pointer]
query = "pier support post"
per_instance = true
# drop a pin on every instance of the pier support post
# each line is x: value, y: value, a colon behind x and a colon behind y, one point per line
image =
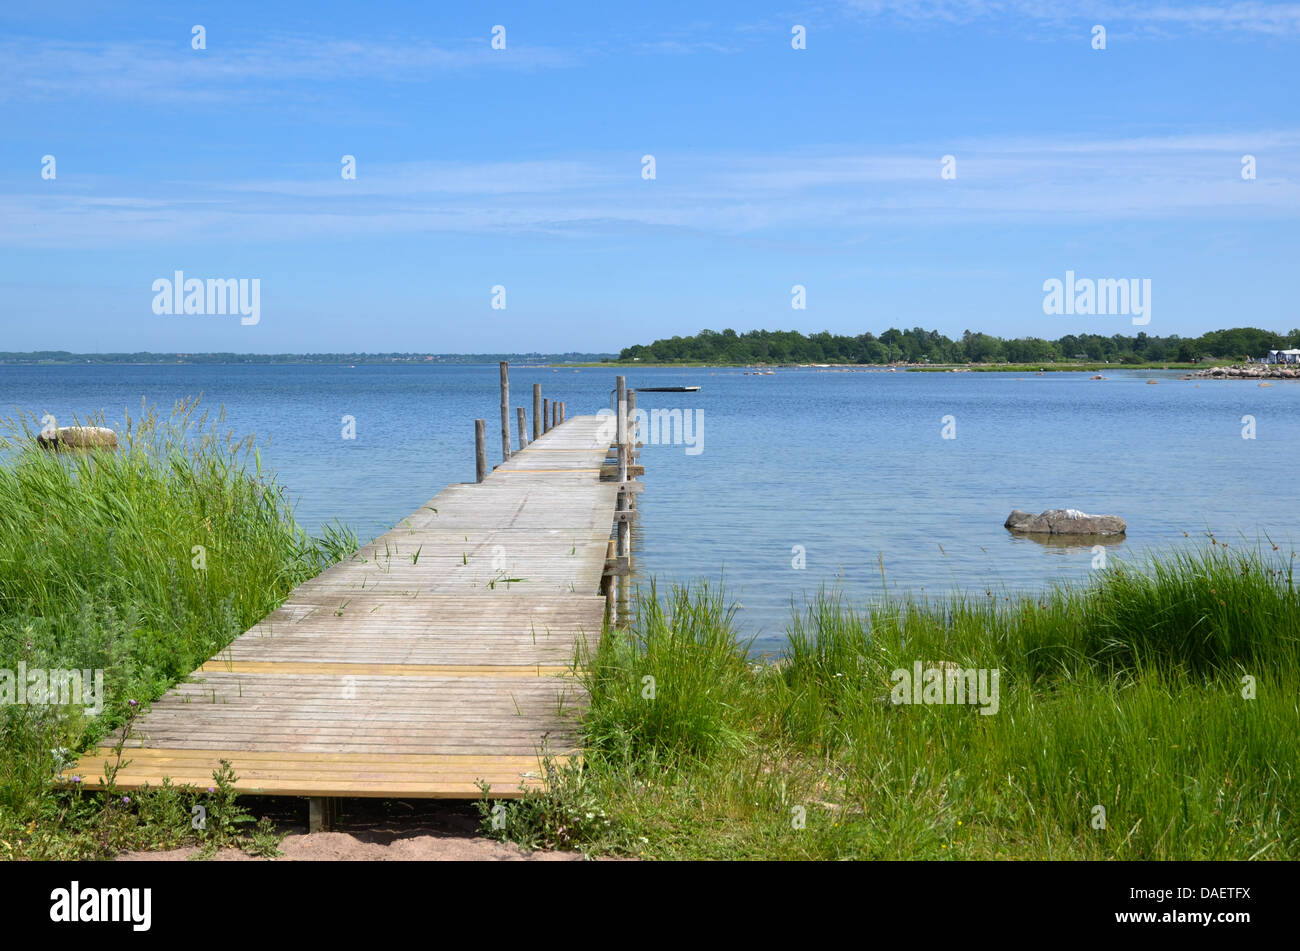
x: 555, y: 414
x: 480, y: 450
x: 621, y: 431
x: 622, y: 611
x: 607, y: 583
x: 523, y: 428
x: 624, y: 547
x: 546, y: 416
x: 322, y: 814
x: 633, y: 431
x: 505, y: 411
x: 537, y: 411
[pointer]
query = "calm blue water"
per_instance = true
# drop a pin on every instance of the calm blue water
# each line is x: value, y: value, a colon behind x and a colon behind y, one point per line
x: 851, y: 466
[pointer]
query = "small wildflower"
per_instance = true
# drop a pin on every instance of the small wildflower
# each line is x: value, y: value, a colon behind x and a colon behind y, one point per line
x: 76, y: 779
x: 126, y: 800
x: 133, y: 703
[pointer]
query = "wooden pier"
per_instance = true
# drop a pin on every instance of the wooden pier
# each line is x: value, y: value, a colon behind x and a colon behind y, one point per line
x: 434, y: 658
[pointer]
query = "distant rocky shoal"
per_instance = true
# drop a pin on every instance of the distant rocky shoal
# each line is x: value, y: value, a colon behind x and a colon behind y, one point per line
x: 1250, y: 371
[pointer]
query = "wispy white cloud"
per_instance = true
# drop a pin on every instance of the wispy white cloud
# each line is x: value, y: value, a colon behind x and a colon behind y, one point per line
x: 810, y: 195
x: 1278, y: 19
x: 36, y: 69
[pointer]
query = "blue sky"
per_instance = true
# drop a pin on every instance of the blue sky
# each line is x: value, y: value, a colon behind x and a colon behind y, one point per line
x: 522, y: 167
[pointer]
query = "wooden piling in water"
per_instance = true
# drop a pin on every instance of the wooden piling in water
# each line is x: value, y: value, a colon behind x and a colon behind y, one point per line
x: 621, y: 430
x: 480, y: 449
x: 546, y: 416
x: 632, y: 428
x: 623, y: 549
x: 537, y: 411
x: 505, y: 411
x: 523, y: 427
x: 633, y: 432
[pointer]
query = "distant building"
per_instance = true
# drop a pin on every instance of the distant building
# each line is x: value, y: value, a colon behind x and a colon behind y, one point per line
x: 1282, y: 356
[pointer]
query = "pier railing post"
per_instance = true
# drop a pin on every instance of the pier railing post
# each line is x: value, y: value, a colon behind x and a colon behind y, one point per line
x: 505, y: 411
x: 523, y: 428
x: 546, y: 416
x: 480, y: 449
x: 624, y: 529
x: 631, y: 424
x: 537, y: 411
x: 621, y: 430
x: 633, y: 432
x: 562, y: 405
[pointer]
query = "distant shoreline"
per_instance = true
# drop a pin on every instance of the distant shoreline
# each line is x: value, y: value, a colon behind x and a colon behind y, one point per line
x: 567, y: 361
x: 63, y: 358
x: 1092, y: 367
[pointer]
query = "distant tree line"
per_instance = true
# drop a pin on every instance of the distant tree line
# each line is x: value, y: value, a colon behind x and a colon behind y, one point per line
x: 930, y: 346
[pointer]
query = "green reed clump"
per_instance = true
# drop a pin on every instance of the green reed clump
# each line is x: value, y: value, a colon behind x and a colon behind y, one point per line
x: 674, y: 685
x: 1153, y: 713
x: 1203, y: 611
x: 141, y: 561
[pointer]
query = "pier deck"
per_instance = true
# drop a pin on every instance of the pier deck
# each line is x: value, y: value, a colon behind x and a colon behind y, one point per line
x: 435, y: 657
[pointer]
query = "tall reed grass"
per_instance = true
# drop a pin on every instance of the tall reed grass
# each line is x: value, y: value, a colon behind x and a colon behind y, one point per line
x: 1153, y: 713
x: 141, y: 561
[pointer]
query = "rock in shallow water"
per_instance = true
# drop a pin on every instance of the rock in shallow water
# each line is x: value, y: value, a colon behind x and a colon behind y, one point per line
x: 1064, y: 522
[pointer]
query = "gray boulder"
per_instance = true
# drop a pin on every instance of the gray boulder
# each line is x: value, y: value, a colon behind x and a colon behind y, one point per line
x: 1064, y: 522
x: 79, y: 437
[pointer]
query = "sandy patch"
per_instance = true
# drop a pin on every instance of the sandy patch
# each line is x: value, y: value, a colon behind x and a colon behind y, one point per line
x: 375, y: 831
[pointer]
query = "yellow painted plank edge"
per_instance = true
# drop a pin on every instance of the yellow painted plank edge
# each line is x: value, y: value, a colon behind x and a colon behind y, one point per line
x: 429, y: 776
x: 334, y: 669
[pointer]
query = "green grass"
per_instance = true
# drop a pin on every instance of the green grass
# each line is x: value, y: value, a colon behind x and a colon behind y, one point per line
x: 1126, y: 694
x: 142, y: 562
